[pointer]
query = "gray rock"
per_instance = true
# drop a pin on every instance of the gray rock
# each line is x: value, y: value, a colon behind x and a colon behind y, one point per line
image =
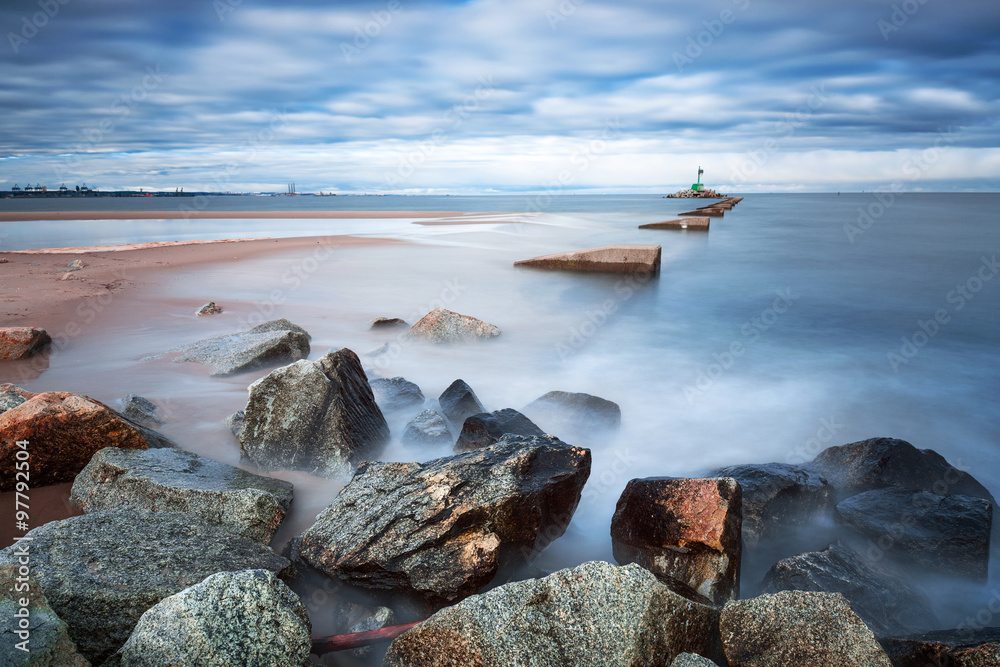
x: 445, y: 326
x: 439, y: 531
x: 944, y: 533
x: 12, y: 396
x: 961, y: 647
x: 458, y: 402
x: 427, y: 428
x: 576, y: 416
x: 44, y: 639
x: 387, y: 323
x: 231, y: 619
x: 879, y: 463
x: 593, y: 614
x: 797, y: 628
x: 315, y: 416
x: 778, y: 499
x: 692, y: 660
x: 396, y: 393
x: 208, y: 309
x: 101, y: 571
x: 171, y: 480
x: 885, y: 602
x: 376, y: 619
x: 141, y: 410
x: 486, y: 428
x: 234, y: 422
x: 268, y: 344
x: 682, y: 530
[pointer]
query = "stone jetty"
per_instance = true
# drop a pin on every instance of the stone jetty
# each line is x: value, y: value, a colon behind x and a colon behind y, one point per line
x: 620, y: 258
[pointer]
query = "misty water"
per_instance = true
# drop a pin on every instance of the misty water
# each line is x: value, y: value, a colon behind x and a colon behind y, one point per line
x: 798, y: 322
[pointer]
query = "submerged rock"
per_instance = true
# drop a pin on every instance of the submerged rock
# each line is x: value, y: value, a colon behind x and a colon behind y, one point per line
x: 486, y: 428
x: 440, y: 530
x: 387, y: 323
x: 396, y: 393
x: 946, y: 533
x: 575, y: 414
x: 885, y: 602
x: 879, y: 463
x: 963, y: 647
x: 268, y: 344
x: 64, y: 430
x: 22, y: 342
x: 620, y: 258
x: 12, y: 396
x: 43, y: 639
x: 445, y: 326
x: 458, y: 402
x: 231, y: 619
x: 778, y: 499
x: 171, y: 480
x: 593, y: 614
x: 427, y: 428
x: 686, y: 530
x: 312, y: 415
x: 797, y: 628
x: 100, y: 572
x: 141, y: 410
x: 208, y: 309
x: 234, y: 422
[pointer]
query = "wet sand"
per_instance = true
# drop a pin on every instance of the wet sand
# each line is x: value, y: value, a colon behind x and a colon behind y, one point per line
x: 30, y: 216
x: 33, y: 292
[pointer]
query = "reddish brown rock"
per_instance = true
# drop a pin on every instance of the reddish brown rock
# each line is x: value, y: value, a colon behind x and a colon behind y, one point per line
x: 63, y: 431
x: 21, y: 342
x: 694, y: 224
x: 685, y: 530
x: 445, y: 326
x: 607, y: 259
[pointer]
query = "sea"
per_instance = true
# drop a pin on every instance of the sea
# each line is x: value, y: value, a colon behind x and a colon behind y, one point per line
x: 797, y: 322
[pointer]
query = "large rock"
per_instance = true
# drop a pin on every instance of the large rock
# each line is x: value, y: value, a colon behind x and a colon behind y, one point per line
x: 427, y: 428
x: 693, y: 223
x: 63, y: 431
x: 944, y: 533
x: 797, y: 628
x: 458, y: 402
x: 32, y: 634
x: 441, y: 530
x: 486, y: 428
x: 445, y: 326
x: 315, y: 416
x: 778, y: 499
x: 101, y: 571
x: 692, y: 660
x: 268, y: 344
x: 879, y: 463
x: 593, y: 614
x: 574, y: 416
x: 966, y: 647
x: 608, y: 259
x: 885, y: 602
x: 231, y: 619
x: 141, y: 410
x: 21, y: 342
x: 686, y: 530
x: 171, y: 480
x: 396, y: 393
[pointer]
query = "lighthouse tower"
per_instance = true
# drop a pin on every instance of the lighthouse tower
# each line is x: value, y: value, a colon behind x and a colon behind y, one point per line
x: 698, y: 187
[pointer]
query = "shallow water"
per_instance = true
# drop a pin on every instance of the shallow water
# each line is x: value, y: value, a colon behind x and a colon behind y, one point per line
x: 766, y: 339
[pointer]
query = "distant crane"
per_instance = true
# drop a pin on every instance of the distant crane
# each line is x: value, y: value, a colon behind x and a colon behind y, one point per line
x: 291, y: 189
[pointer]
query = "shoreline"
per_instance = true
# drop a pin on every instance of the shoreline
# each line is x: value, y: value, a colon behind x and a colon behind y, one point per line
x: 37, y: 216
x: 35, y: 293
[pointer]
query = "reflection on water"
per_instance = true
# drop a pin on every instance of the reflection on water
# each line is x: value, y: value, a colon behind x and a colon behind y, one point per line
x: 765, y: 339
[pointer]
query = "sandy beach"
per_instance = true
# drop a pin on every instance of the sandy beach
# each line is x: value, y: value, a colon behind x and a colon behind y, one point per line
x: 30, y: 216
x: 35, y: 293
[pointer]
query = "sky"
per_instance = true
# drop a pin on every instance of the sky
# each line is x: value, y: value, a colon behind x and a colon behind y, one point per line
x: 493, y: 97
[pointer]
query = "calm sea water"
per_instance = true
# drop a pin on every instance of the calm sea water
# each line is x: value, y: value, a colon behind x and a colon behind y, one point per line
x: 797, y: 322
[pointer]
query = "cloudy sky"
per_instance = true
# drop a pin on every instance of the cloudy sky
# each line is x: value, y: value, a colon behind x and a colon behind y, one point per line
x: 493, y: 96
